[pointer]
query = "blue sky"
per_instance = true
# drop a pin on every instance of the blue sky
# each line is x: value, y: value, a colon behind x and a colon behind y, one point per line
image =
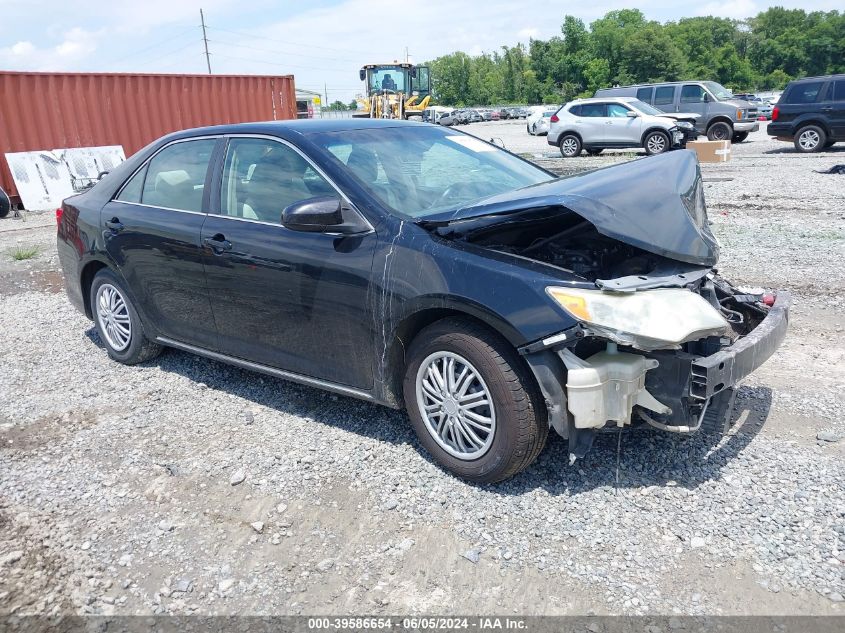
x: 321, y: 42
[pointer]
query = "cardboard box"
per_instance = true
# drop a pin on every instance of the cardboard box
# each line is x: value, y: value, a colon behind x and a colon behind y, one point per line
x: 711, y: 151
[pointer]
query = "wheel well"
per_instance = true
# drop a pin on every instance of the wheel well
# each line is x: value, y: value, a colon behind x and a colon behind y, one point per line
x: 720, y: 120
x: 650, y: 130
x: 573, y: 133
x: 404, y: 335
x: 820, y: 124
x: 86, y: 279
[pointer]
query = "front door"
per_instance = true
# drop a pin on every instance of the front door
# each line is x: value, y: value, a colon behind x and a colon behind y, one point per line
x: 622, y: 129
x: 152, y: 233
x: 288, y: 299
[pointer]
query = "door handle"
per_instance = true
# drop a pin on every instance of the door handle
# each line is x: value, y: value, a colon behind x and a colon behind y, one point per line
x: 608, y: 122
x: 115, y: 225
x: 219, y: 244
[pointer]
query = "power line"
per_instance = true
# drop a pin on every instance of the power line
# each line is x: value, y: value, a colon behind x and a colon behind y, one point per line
x: 279, y: 41
x: 285, y: 65
x: 169, y: 40
x: 277, y: 51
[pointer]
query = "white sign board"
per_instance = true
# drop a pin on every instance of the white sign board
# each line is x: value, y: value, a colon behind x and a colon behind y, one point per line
x: 44, y: 178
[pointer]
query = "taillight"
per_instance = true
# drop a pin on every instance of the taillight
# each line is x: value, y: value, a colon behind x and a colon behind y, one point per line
x: 59, y: 213
x: 775, y: 113
x: 554, y: 119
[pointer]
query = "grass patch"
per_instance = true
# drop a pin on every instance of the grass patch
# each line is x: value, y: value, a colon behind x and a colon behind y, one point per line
x: 21, y: 253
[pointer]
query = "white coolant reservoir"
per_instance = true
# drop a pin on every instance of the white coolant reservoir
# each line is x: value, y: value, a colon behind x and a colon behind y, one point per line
x: 606, y: 386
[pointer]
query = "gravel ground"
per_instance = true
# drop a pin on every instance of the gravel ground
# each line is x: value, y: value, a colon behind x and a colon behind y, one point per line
x: 185, y: 486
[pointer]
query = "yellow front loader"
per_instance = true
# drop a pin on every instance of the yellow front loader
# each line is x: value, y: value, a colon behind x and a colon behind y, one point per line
x: 394, y: 91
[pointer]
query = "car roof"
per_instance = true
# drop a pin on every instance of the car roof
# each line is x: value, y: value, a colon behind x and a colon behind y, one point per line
x: 296, y: 126
x: 605, y: 99
x: 837, y: 76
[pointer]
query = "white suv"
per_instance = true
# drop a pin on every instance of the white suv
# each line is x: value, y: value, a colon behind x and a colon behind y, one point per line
x: 618, y: 122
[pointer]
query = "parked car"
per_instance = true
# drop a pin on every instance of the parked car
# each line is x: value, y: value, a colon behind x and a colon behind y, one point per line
x: 597, y: 124
x: 432, y: 114
x: 474, y: 116
x: 420, y: 267
x: 449, y: 118
x: 811, y: 113
x: 5, y: 204
x: 764, y: 109
x: 537, y: 122
x: 721, y: 116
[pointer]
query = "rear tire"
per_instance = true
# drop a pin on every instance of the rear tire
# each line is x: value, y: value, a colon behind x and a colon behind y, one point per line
x: 656, y: 143
x: 496, y: 375
x: 117, y: 321
x: 570, y: 146
x: 810, y: 138
x: 719, y: 131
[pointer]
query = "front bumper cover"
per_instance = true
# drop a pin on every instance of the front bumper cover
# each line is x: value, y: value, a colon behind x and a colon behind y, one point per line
x: 746, y: 126
x: 714, y: 373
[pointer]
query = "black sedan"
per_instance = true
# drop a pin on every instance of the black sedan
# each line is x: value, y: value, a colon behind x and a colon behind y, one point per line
x: 420, y: 267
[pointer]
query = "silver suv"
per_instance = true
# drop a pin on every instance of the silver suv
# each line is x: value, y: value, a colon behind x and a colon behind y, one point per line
x: 622, y: 122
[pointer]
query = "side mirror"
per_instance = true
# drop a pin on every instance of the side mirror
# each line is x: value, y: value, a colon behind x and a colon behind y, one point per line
x: 313, y: 215
x: 362, y: 74
x: 706, y: 98
x: 633, y: 114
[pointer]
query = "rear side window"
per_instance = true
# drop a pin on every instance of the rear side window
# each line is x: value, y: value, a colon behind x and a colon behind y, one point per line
x: 805, y: 92
x: 131, y: 191
x: 575, y: 110
x: 594, y: 109
x: 664, y: 95
x: 176, y: 175
x: 839, y: 90
x: 692, y: 94
x: 644, y: 94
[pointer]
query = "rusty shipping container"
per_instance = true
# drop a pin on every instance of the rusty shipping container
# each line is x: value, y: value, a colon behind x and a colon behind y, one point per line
x: 45, y: 111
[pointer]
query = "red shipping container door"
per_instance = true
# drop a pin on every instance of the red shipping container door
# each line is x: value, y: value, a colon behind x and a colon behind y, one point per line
x: 46, y: 111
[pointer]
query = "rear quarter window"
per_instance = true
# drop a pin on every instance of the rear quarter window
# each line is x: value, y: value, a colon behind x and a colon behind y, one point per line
x: 839, y: 90
x: 804, y: 92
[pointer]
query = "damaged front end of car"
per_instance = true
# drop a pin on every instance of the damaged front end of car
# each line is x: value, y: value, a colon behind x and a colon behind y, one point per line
x: 654, y: 335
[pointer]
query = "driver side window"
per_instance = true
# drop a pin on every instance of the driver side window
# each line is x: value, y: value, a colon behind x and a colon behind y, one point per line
x: 262, y: 177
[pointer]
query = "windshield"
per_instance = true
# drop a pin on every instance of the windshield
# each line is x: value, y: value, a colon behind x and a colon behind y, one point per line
x: 387, y: 79
x: 644, y: 108
x: 424, y: 170
x: 718, y: 90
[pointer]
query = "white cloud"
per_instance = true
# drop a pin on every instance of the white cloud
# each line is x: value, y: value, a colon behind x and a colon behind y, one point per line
x: 528, y: 33
x: 737, y: 9
x: 22, y: 48
x: 77, y: 43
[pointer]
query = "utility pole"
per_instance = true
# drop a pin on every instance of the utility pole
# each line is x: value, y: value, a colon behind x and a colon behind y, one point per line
x: 326, y: 95
x: 406, y: 54
x: 205, y: 42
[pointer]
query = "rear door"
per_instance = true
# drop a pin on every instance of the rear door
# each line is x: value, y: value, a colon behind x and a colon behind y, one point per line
x: 152, y: 233
x: 593, y: 123
x: 837, y: 109
x: 287, y: 299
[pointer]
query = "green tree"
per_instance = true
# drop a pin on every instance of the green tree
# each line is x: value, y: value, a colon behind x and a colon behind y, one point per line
x: 649, y: 54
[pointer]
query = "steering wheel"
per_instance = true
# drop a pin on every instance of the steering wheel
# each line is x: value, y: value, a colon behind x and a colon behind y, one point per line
x: 455, y: 190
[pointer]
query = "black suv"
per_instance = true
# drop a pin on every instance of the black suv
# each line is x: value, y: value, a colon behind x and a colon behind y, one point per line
x: 811, y: 113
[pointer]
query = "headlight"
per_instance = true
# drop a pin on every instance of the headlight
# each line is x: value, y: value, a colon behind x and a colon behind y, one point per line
x: 685, y: 125
x: 649, y: 319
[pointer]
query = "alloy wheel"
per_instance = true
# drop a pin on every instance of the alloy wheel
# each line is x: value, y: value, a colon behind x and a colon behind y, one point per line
x: 656, y: 144
x: 809, y: 140
x: 455, y: 405
x: 113, y: 317
x: 569, y: 146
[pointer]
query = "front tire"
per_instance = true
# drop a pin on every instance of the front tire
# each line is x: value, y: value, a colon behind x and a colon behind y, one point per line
x: 810, y: 138
x: 117, y: 321
x: 472, y: 403
x: 570, y: 146
x: 656, y: 143
x: 720, y: 131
